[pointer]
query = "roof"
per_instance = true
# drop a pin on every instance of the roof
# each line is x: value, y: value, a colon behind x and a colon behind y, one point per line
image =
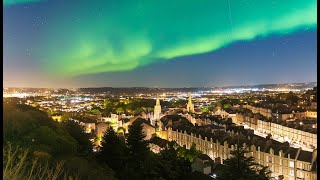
x: 159, y: 141
x: 204, y: 157
x: 143, y: 121
x: 125, y: 120
x: 305, y: 156
x: 199, y: 165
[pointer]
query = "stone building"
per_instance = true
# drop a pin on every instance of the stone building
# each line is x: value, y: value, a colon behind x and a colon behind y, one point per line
x: 292, y: 163
x: 190, y: 106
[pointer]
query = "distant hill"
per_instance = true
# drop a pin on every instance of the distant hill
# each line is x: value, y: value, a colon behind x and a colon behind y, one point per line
x: 129, y: 90
x: 145, y: 90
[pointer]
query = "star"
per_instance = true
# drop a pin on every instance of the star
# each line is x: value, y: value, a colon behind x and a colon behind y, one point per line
x: 29, y: 51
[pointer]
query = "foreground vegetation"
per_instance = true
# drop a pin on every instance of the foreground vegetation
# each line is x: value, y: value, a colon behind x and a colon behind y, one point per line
x: 133, y: 159
x: 47, y: 144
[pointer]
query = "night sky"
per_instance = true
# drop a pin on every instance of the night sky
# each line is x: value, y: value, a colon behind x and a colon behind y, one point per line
x: 165, y: 43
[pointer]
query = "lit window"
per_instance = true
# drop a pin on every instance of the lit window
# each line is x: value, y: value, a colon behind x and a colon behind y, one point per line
x: 301, y: 174
x: 291, y: 164
x: 291, y: 172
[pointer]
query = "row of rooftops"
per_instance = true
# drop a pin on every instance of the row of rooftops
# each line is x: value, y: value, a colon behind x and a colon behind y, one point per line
x: 289, y: 124
x: 278, y: 108
x: 234, y: 138
x: 235, y: 134
x: 162, y: 143
x: 293, y: 124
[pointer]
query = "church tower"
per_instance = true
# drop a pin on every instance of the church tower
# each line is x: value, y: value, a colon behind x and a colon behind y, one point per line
x: 190, y: 106
x: 157, y: 110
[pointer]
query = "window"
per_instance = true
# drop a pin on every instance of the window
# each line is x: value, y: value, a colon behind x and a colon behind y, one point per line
x: 291, y: 164
x: 301, y: 174
x: 291, y: 172
x: 272, y: 168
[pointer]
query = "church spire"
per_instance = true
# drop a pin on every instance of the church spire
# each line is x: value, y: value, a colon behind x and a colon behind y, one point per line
x: 157, y: 110
x: 190, y: 106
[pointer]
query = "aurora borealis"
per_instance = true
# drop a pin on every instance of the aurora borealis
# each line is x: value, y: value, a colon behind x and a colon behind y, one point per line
x: 111, y: 43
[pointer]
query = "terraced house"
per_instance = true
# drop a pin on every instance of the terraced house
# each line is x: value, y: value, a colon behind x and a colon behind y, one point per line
x: 304, y: 134
x: 291, y: 163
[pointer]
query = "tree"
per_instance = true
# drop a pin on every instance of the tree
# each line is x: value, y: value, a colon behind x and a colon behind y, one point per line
x: 291, y: 98
x: 77, y: 132
x: 171, y: 165
x: 188, y: 154
x: 242, y: 167
x: 138, y: 149
x: 95, y: 111
x: 120, y: 110
x: 113, y: 150
x: 205, y: 110
x: 65, y: 117
x: 226, y: 106
x: 105, y: 103
x: 137, y: 111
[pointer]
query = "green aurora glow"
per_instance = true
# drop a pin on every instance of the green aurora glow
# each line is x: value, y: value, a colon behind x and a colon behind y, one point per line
x: 100, y: 36
x: 13, y: 2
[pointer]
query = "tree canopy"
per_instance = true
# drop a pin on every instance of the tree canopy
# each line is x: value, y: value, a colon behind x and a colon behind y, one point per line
x: 243, y: 167
x: 40, y: 136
